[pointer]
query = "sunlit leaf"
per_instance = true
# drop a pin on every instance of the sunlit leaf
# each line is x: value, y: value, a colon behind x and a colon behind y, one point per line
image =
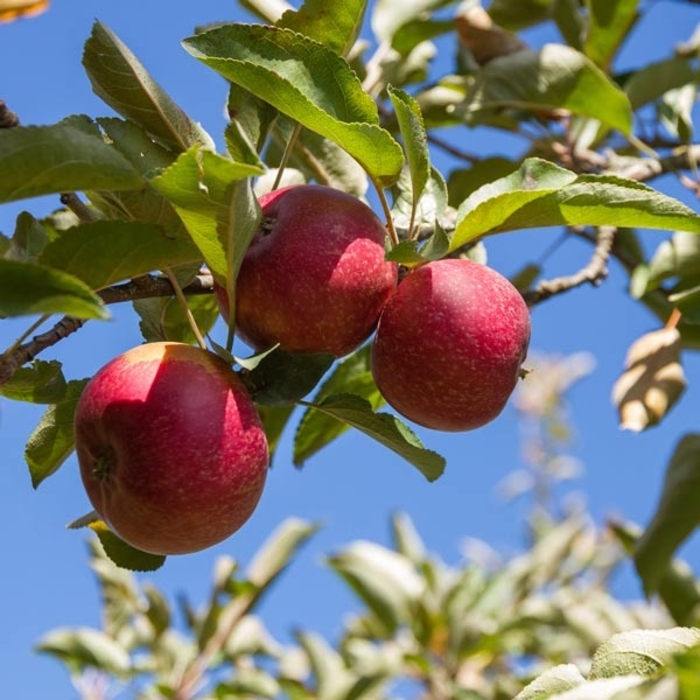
x: 555, y: 680
x: 41, y: 382
x: 649, y: 83
x: 307, y: 82
x: 26, y: 289
x: 120, y: 79
x: 608, y: 25
x: 28, y: 240
x: 653, y: 380
x: 556, y: 77
x: 64, y: 157
x: 676, y: 515
x: 541, y: 194
x: 641, y: 652
x: 337, y: 30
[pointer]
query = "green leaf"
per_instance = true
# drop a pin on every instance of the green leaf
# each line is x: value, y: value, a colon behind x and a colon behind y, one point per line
x: 251, y: 121
x: 542, y: 194
x: 119, y: 79
x: 163, y: 319
x: 555, y: 77
x: 676, y: 112
x: 42, y: 382
x: 385, y: 581
x: 336, y: 28
x: 274, y: 420
x: 415, y: 140
x: 688, y: 302
x: 608, y: 25
x: 330, y: 672
x: 462, y: 182
x: 278, y: 551
x: 84, y: 647
x: 28, y: 240
x: 282, y: 378
x: 677, y: 257
x: 26, y: 289
x: 651, y: 82
x: 519, y: 14
x: 307, y: 82
x: 389, y: 17
x: 122, y: 554
x: 206, y: 190
x: 384, y: 428
x: 52, y: 440
x: 676, y: 514
x: 554, y: 680
x: 249, y: 682
x: 641, y: 652
x: 316, y: 429
x: 64, y: 157
x: 105, y: 252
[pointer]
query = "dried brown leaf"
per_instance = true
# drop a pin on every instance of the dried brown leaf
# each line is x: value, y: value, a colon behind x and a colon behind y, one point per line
x: 485, y: 39
x: 652, y: 382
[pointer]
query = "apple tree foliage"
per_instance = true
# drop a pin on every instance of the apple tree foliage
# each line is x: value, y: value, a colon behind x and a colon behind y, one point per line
x: 341, y: 94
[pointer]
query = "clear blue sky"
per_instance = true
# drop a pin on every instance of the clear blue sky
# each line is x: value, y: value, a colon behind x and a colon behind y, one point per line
x: 353, y: 486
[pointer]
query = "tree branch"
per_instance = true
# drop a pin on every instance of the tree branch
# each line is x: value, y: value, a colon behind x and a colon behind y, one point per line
x: 145, y: 287
x: 593, y: 273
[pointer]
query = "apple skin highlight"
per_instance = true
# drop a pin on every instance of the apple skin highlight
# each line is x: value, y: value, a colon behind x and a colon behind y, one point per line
x: 172, y: 452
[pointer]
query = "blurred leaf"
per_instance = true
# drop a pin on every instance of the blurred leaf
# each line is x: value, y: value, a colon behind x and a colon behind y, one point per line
x: 332, y: 678
x: 28, y: 240
x: 105, y: 252
x: 83, y: 647
x: 676, y: 514
x: 248, y: 682
x: 282, y: 378
x: 63, y: 157
x: 554, y: 680
x: 519, y: 14
x: 384, y: 428
x: 415, y: 140
x: 384, y: 580
x: 542, y: 194
x: 121, y: 81
x: 651, y: 82
x: 250, y: 122
x: 676, y: 111
x: 337, y: 30
x: 556, y: 77
x: 524, y: 278
x: 51, y: 442
x: 641, y: 652
x: 308, y: 83
x: 27, y: 288
x: 158, y: 610
x: 688, y: 303
x: 42, y: 382
x: 608, y: 25
x: 316, y: 429
x: 206, y: 190
x: 278, y: 550
x: 652, y: 382
x: 406, y: 538
x: 389, y: 17
x: 122, y: 554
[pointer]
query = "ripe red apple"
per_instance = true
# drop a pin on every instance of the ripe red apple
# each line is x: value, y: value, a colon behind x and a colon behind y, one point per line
x: 314, y: 278
x: 450, y: 344
x: 171, y: 449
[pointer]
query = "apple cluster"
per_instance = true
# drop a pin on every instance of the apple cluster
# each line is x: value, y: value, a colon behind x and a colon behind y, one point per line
x: 172, y: 451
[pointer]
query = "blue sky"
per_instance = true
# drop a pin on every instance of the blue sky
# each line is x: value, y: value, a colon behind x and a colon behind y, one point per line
x: 353, y: 486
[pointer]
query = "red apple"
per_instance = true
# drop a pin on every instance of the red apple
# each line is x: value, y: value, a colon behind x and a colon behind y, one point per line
x: 314, y: 278
x: 450, y: 344
x: 171, y: 449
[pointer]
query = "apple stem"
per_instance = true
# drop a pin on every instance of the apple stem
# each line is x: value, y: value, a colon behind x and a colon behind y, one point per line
x: 185, y: 307
x: 673, y: 319
x: 393, y: 236
x: 289, y: 148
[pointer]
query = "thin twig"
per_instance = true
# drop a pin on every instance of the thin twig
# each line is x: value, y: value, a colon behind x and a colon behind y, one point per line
x: 142, y: 288
x: 78, y: 207
x: 593, y: 273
